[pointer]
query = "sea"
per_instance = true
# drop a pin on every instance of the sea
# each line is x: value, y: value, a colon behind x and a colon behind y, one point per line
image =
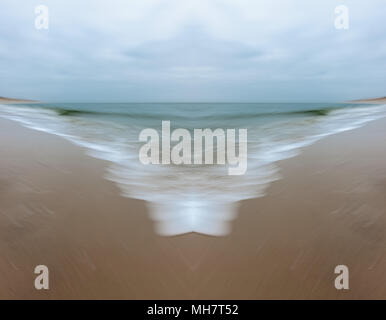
x: 192, y: 198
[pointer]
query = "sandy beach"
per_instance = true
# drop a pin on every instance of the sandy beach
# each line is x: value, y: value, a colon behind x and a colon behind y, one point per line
x: 370, y: 101
x: 57, y: 209
x: 193, y: 150
x: 4, y: 100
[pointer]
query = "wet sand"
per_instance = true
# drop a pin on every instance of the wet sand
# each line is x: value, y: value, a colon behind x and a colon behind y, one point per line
x: 328, y: 209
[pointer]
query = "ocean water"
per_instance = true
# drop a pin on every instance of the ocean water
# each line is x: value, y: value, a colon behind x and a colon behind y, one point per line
x: 192, y: 198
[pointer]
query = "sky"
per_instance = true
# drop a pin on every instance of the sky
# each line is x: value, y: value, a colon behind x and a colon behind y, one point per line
x: 192, y: 51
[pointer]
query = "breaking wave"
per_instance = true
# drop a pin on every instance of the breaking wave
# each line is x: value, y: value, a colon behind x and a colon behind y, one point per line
x: 191, y: 198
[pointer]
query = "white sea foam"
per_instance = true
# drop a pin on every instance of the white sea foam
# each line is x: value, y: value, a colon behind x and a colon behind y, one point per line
x: 202, y: 199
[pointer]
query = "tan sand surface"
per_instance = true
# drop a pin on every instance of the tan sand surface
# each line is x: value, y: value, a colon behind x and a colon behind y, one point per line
x: 371, y: 101
x: 57, y: 209
x: 13, y: 101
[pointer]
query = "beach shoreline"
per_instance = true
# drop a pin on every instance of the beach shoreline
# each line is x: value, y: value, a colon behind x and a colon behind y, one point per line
x: 328, y: 209
x: 370, y: 101
x: 4, y: 100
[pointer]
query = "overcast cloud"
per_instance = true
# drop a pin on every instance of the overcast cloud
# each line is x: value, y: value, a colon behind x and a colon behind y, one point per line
x: 192, y: 50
